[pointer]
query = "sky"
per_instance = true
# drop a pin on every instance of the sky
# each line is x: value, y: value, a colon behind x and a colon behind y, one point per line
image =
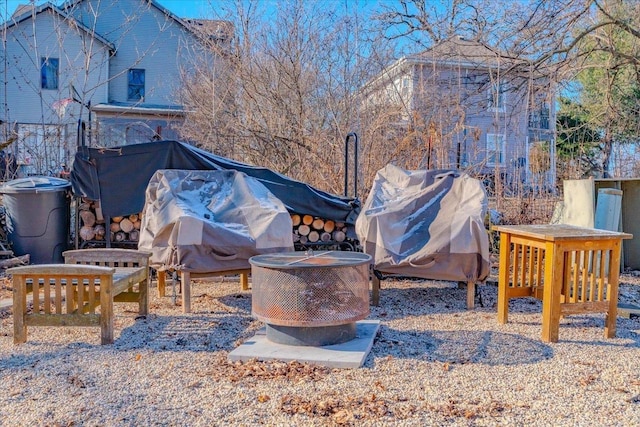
x: 181, y: 8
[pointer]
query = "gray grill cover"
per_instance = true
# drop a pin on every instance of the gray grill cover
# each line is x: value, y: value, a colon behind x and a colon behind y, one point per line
x: 426, y: 224
x: 211, y: 221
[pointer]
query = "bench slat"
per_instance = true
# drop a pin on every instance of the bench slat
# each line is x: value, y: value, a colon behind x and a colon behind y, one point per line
x: 63, y: 320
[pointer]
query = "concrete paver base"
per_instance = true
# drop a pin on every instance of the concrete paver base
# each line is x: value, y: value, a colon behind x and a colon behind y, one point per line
x: 350, y: 354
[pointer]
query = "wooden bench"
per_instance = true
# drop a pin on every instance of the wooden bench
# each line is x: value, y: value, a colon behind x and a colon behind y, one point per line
x: 185, y: 280
x: 70, y: 296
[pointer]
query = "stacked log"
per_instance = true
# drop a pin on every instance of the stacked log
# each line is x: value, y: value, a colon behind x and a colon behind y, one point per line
x: 93, y: 225
x: 310, y: 230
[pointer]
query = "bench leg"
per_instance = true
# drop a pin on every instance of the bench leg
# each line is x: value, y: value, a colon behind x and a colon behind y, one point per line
x: 186, y: 292
x: 19, y: 310
x: 143, y: 302
x: 106, y: 317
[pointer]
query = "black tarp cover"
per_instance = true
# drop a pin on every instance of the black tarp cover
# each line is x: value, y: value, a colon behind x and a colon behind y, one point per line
x: 118, y: 177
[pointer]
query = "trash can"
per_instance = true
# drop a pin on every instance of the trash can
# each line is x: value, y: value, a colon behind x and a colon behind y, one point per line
x: 38, y: 217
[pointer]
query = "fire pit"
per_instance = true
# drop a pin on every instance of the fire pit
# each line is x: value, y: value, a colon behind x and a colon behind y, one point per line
x: 310, y: 298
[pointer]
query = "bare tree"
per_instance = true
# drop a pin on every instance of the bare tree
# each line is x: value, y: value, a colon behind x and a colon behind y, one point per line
x: 286, y: 97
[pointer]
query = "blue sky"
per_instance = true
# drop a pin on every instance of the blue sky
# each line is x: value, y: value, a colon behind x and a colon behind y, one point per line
x: 182, y: 8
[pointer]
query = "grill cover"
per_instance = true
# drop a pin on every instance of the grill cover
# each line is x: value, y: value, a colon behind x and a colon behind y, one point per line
x: 101, y: 174
x: 210, y: 221
x: 427, y: 224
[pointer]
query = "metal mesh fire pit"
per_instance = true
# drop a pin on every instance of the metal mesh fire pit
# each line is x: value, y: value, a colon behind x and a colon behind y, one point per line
x: 310, y: 299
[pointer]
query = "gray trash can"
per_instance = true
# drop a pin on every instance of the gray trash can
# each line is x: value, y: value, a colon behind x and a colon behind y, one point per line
x: 38, y: 212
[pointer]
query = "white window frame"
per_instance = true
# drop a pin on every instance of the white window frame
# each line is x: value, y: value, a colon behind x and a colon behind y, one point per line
x: 497, y: 92
x: 492, y: 149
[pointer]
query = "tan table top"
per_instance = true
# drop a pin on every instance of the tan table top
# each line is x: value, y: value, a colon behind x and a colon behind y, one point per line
x: 558, y: 232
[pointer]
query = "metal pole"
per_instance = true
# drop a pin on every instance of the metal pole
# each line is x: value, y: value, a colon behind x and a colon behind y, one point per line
x: 355, y: 164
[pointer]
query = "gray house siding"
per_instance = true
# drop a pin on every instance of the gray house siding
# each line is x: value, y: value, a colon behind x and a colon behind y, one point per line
x: 145, y: 38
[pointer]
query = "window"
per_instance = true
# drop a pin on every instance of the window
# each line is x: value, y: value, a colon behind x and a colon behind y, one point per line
x: 136, y: 85
x: 496, y: 98
x: 495, y: 149
x: 49, y: 73
x: 404, y: 91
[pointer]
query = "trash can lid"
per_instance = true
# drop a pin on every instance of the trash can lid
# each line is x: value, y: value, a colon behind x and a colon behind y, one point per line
x: 35, y: 184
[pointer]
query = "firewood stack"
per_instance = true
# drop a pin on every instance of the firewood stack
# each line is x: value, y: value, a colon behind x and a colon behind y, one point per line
x: 93, y: 226
x: 312, y: 232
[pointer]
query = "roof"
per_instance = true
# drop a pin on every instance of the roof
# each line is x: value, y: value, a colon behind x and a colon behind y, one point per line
x: 155, y: 109
x: 463, y: 52
x: 72, y: 3
x: 25, y: 12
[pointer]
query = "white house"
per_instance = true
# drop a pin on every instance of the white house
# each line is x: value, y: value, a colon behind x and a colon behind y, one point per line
x: 112, y: 68
x: 473, y: 108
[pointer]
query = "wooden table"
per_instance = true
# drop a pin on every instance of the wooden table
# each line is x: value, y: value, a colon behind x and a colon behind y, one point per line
x: 571, y: 269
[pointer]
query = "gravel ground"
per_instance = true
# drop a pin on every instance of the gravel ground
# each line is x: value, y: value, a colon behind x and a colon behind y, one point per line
x: 433, y: 363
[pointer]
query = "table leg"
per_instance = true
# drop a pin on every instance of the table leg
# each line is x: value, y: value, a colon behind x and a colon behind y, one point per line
x: 612, y: 290
x: 553, y: 276
x: 503, y: 277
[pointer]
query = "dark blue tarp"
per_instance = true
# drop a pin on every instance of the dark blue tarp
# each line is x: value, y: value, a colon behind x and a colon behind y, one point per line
x: 118, y: 177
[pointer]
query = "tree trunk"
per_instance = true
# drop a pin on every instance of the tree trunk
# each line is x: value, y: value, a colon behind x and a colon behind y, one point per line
x: 607, y: 148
